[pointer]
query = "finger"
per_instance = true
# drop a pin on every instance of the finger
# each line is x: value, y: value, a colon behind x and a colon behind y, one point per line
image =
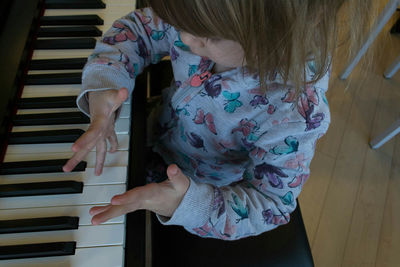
x: 83, y: 146
x: 113, y: 142
x: 88, y: 139
x: 112, y: 212
x: 131, y: 197
x: 122, y: 199
x: 172, y: 170
x: 74, y: 160
x: 101, y: 150
x: 97, y: 209
x: 177, y: 177
x: 71, y: 164
x: 120, y: 98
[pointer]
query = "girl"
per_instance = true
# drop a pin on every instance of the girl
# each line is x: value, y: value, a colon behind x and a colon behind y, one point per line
x: 239, y: 123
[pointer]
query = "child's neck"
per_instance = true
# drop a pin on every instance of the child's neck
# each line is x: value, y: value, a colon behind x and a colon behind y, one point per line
x: 219, y: 68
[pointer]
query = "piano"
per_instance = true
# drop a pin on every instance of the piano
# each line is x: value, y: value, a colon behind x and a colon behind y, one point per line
x: 44, y: 219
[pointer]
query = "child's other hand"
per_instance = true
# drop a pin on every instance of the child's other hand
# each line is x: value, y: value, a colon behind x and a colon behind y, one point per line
x: 102, y: 105
x: 162, y: 198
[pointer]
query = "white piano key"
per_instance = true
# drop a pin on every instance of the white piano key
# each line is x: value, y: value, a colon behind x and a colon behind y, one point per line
x: 122, y: 126
x: 110, y: 175
x: 119, y: 158
x: 111, y: 256
x: 55, y: 90
x: 46, y: 110
x: 123, y: 144
x: 79, y: 211
x: 52, y: 71
x: 85, y: 236
x: 92, y: 194
x: 125, y: 110
x: 61, y: 53
x: 112, y: 11
x: 51, y: 90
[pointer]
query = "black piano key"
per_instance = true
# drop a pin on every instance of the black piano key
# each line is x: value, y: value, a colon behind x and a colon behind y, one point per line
x: 40, y: 189
x: 50, y: 119
x: 62, y: 43
x: 57, y: 64
x: 77, y: 31
x: 45, y: 137
x: 54, y: 78
x: 47, y: 102
x: 37, y: 166
x: 71, y: 20
x: 37, y: 250
x: 39, y: 224
x: 74, y: 4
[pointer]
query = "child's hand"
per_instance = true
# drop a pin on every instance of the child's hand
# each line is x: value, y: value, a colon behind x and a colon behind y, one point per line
x: 102, y: 105
x: 162, y: 198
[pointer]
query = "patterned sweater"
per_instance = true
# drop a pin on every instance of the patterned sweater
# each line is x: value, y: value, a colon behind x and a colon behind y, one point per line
x: 246, y: 153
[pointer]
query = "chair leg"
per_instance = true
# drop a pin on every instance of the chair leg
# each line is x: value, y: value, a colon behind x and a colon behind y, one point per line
x: 386, y: 14
x: 386, y: 135
x: 393, y: 68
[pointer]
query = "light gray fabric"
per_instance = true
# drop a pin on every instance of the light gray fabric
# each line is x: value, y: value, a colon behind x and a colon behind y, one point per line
x: 246, y: 153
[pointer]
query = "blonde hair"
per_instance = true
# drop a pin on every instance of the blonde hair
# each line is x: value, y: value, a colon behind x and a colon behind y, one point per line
x: 278, y: 36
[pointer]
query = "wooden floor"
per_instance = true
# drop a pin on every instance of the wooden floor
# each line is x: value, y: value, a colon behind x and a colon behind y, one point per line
x: 351, y: 202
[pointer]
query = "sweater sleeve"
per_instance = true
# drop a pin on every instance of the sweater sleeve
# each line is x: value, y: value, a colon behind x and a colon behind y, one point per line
x: 133, y: 42
x: 264, y: 196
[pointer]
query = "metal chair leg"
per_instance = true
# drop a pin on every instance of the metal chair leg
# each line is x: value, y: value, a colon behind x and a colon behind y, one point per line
x: 386, y: 14
x: 392, y: 69
x: 386, y: 135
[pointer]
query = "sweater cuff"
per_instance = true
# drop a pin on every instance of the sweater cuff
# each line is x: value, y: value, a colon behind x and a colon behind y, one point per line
x: 82, y: 101
x: 194, y: 209
x: 99, y: 77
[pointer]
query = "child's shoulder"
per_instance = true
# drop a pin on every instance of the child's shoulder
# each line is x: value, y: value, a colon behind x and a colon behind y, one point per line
x: 153, y: 25
x: 279, y: 106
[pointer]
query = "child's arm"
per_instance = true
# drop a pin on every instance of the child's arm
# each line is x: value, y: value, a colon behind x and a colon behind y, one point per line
x: 265, y: 195
x: 134, y: 41
x: 103, y: 107
x: 261, y: 201
x: 162, y: 198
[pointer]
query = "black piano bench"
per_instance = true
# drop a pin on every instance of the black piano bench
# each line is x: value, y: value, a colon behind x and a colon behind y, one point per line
x: 286, y: 246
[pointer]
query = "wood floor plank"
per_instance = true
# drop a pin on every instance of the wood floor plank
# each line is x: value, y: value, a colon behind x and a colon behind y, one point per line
x: 389, y: 244
x: 363, y: 237
x: 312, y: 198
x: 331, y: 235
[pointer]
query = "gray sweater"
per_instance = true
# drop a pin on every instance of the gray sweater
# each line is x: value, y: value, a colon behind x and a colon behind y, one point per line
x: 246, y: 153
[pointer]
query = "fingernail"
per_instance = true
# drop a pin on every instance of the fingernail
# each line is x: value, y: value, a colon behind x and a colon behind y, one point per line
x: 174, y: 171
x: 74, y: 148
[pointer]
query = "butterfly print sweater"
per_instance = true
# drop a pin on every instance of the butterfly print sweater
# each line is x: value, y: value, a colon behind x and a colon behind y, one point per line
x: 247, y: 153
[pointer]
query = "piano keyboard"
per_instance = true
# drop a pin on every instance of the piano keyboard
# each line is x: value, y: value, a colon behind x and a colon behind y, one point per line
x: 35, y: 228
